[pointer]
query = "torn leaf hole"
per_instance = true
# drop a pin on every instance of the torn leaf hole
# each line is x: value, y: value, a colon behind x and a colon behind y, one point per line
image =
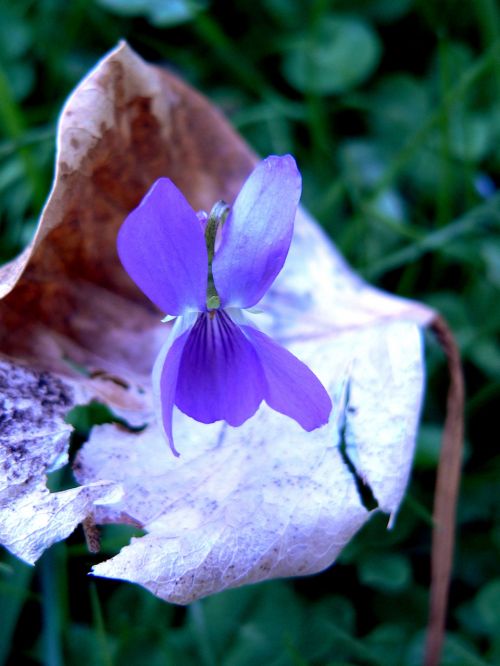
x: 366, y: 496
x: 84, y: 417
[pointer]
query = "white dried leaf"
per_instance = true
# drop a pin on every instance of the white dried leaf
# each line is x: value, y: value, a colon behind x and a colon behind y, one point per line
x: 33, y: 442
x: 267, y: 499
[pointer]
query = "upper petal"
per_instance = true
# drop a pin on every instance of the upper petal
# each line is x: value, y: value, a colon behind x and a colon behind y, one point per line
x: 292, y: 388
x: 257, y: 234
x: 162, y: 247
x: 220, y: 375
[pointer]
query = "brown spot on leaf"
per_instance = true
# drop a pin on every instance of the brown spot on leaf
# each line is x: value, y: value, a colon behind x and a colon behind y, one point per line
x: 33, y: 432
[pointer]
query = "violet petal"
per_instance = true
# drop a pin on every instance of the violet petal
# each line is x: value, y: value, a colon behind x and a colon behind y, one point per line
x: 162, y: 247
x: 292, y: 388
x: 257, y: 234
x: 220, y: 376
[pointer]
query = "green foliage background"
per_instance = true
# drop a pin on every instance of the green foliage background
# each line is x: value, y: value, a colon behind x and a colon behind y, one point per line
x: 392, y: 108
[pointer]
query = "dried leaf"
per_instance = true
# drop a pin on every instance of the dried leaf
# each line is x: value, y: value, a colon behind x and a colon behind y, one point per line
x: 244, y: 504
x: 34, y: 442
x: 266, y: 499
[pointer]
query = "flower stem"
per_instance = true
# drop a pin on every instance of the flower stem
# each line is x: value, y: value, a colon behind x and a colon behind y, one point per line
x: 216, y: 219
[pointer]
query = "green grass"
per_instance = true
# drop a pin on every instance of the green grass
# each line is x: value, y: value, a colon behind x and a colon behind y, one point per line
x: 401, y: 169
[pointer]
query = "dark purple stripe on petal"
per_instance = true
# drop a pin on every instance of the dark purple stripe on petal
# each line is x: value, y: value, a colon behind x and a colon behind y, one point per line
x: 257, y: 234
x: 292, y: 388
x: 162, y: 247
x: 220, y: 375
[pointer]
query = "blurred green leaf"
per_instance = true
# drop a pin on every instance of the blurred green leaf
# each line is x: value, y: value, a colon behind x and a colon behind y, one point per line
x: 318, y: 641
x: 15, y: 579
x: 268, y: 634
x: 490, y: 252
x: 21, y: 77
x: 16, y: 34
x: 389, y: 572
x: 399, y: 103
x: 161, y: 13
x: 471, y: 136
x: 341, y: 55
x: 387, y: 643
x: 82, y: 647
x: 428, y: 446
x: 289, y: 13
x: 487, y: 606
x: 380, y: 10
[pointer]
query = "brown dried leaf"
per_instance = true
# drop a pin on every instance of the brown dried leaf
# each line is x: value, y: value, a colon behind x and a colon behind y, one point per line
x: 68, y: 301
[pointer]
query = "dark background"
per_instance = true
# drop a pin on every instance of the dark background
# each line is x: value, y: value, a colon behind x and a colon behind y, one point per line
x: 392, y: 109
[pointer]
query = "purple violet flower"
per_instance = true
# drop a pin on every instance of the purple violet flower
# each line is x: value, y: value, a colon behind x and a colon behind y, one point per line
x: 204, y: 271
